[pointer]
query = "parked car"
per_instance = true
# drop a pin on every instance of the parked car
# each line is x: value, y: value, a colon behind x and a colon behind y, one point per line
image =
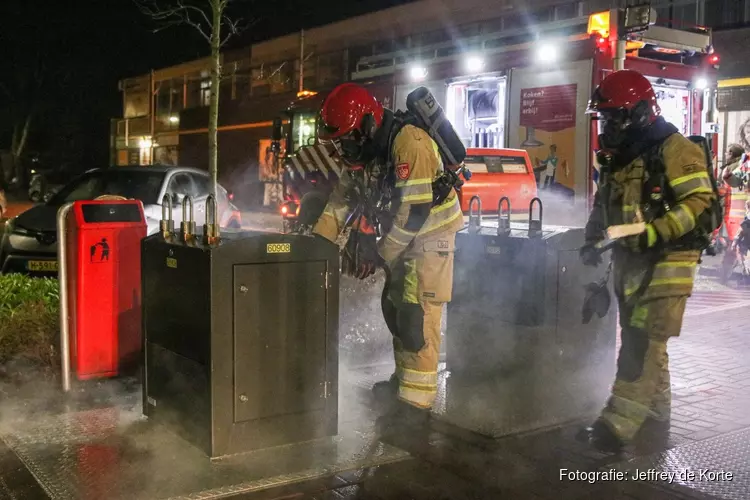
x: 29, y: 243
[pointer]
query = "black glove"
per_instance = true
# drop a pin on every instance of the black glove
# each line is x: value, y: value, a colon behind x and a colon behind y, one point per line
x: 590, y: 255
x: 361, y: 258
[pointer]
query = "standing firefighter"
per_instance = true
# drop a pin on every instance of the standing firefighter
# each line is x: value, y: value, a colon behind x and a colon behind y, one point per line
x: 652, y: 174
x: 394, y: 191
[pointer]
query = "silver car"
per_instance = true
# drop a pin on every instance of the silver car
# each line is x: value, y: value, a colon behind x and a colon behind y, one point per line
x: 29, y: 243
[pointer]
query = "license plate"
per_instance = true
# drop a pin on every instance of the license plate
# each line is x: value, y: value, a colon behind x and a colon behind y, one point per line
x: 42, y: 265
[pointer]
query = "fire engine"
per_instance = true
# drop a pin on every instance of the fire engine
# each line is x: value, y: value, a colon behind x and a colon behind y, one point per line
x: 515, y: 92
x: 528, y: 89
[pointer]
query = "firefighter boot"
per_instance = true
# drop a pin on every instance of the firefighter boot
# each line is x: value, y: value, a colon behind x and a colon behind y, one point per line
x: 601, y: 437
x: 403, y: 415
x: 385, y: 392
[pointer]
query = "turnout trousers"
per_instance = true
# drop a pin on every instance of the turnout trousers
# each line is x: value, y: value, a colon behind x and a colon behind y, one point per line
x: 418, y: 286
x: 642, y: 387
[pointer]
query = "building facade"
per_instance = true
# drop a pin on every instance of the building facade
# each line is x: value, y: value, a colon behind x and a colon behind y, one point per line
x: 261, y: 81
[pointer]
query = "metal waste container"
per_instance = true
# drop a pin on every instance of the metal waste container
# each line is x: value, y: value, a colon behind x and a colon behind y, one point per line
x: 518, y: 354
x: 241, y: 337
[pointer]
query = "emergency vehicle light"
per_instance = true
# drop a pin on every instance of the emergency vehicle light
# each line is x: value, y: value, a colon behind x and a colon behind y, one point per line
x: 714, y: 59
x: 599, y: 24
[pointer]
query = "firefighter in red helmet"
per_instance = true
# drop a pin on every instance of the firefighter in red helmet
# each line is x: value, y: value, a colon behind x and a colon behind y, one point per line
x: 652, y: 175
x: 417, y: 233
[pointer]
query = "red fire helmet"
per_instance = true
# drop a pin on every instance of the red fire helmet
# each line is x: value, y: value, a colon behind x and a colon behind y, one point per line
x: 624, y: 90
x: 344, y: 111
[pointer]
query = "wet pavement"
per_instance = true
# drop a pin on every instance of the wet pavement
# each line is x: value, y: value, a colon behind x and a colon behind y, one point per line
x: 93, y: 444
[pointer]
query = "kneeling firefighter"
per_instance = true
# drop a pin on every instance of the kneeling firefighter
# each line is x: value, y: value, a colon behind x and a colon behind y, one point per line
x: 651, y: 174
x: 397, y: 187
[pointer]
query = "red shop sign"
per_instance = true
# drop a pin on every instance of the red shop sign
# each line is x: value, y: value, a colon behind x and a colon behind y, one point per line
x: 549, y: 108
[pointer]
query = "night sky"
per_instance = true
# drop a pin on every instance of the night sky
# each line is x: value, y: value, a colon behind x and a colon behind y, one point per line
x: 65, y: 57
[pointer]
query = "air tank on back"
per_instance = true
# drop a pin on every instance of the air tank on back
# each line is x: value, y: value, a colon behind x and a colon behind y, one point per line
x: 425, y: 107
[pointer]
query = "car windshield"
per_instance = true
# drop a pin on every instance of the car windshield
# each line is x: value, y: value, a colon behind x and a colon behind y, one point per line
x: 144, y: 186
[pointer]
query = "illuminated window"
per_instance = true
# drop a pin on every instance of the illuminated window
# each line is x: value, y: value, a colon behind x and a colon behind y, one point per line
x: 205, y: 92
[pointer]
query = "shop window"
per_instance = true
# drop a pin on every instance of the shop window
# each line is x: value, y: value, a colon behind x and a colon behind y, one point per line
x: 177, y: 93
x: 538, y: 16
x: 330, y: 69
x: 724, y: 13
x: 382, y: 47
x: 193, y: 92
x: 468, y: 30
x: 567, y: 11
x: 242, y: 83
x: 492, y: 26
x: 162, y: 98
x: 513, y: 22
x: 432, y: 37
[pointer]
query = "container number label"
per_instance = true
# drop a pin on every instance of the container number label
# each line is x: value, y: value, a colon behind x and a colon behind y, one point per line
x: 172, y: 262
x: 279, y: 248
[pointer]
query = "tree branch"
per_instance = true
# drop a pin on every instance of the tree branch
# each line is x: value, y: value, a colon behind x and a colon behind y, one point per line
x: 176, y: 14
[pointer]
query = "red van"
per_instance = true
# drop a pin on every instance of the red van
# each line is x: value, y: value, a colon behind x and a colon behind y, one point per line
x: 496, y: 173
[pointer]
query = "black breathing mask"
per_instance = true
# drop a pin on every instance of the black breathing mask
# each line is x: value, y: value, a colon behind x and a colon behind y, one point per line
x: 613, y: 128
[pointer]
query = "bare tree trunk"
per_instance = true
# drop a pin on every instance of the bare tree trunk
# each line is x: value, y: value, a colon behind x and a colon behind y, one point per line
x: 18, y: 144
x: 21, y: 144
x: 213, y: 108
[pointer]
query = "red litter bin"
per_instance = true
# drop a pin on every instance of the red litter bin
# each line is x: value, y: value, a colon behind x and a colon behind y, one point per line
x: 100, y: 287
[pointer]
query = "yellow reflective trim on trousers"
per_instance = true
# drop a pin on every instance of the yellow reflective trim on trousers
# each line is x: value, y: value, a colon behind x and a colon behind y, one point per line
x: 683, y: 218
x: 666, y: 273
x: 415, y: 397
x: 410, y: 294
x: 698, y: 182
x: 416, y: 376
x: 639, y: 316
x: 420, y: 387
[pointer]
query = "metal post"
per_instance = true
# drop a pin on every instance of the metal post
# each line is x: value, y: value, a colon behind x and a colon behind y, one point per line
x: 619, y: 38
x: 63, y: 284
x: 619, y: 55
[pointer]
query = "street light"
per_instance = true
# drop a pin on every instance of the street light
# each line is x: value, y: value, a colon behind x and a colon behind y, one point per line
x: 174, y: 119
x: 418, y: 73
x: 546, y: 53
x: 474, y: 64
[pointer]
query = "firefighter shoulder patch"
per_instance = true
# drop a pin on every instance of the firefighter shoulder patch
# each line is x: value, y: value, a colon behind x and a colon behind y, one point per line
x: 402, y: 171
